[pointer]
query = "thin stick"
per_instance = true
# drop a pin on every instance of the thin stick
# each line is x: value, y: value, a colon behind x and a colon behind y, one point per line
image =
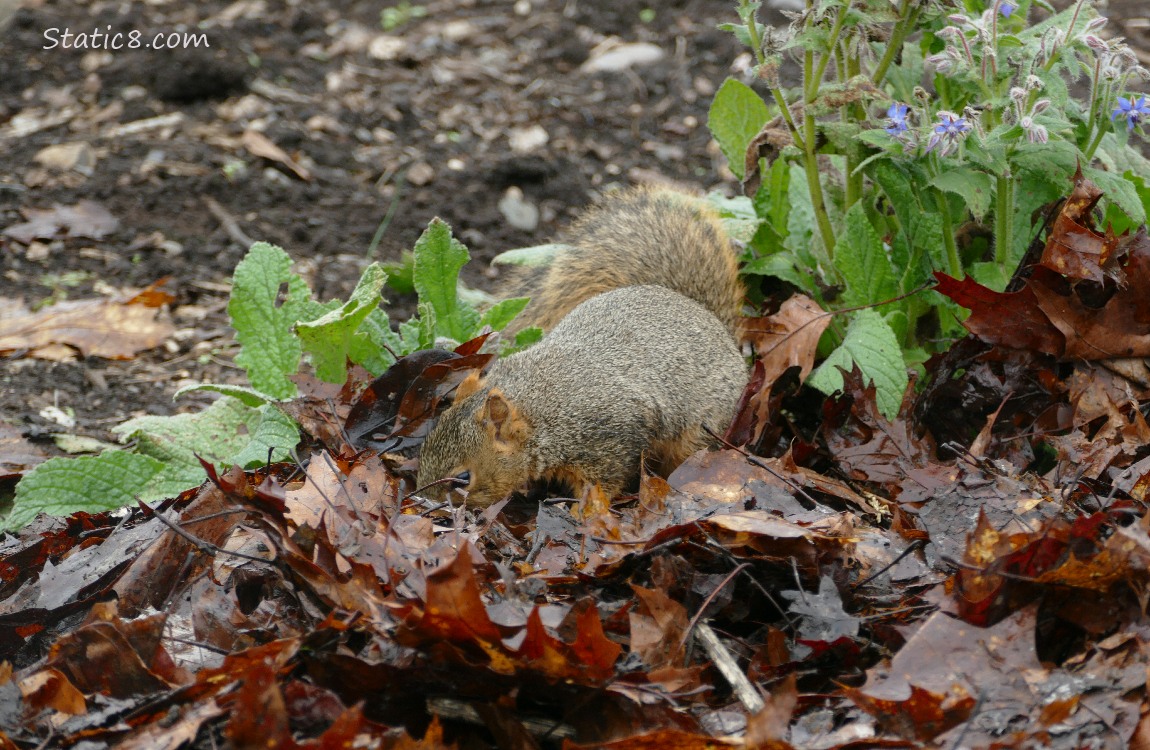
x: 726, y: 665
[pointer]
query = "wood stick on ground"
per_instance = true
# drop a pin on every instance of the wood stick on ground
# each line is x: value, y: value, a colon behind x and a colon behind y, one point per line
x: 722, y: 658
x: 229, y: 223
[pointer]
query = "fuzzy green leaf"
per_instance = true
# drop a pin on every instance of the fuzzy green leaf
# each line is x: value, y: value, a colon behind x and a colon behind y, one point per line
x: 62, y: 486
x: 270, y: 350
x: 871, y: 344
x: 537, y: 255
x: 1121, y: 192
x: 976, y: 188
x: 438, y: 258
x: 523, y: 339
x: 219, y: 434
x: 248, y: 396
x: 503, y: 312
x: 328, y: 339
x: 736, y: 116
x: 375, y: 342
x: 863, y: 263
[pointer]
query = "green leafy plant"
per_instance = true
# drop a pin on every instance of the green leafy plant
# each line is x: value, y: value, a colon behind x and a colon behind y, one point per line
x: 402, y: 13
x: 863, y: 183
x: 279, y: 326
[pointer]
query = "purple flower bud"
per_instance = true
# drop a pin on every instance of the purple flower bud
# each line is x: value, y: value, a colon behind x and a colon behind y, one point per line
x: 1097, y: 23
x: 1095, y: 43
x: 1040, y: 106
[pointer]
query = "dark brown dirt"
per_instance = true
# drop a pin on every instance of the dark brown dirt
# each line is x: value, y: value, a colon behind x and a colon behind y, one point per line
x: 422, y: 133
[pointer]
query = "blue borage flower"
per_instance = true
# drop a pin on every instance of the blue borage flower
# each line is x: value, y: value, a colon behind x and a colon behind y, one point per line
x: 949, y: 131
x: 1005, y: 9
x: 896, y: 118
x: 1132, y: 110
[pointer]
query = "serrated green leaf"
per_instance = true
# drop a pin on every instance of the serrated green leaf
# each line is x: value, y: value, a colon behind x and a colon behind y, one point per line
x: 375, y: 346
x: 537, y: 255
x: 1121, y: 192
x: 991, y: 275
x: 270, y: 350
x: 863, y: 263
x: 219, y: 433
x: 800, y: 217
x: 781, y: 265
x: 247, y: 396
x: 503, y: 312
x: 273, y: 435
x: 399, y: 273
x: 329, y: 338
x: 62, y: 486
x: 976, y: 188
x: 438, y: 258
x: 1055, y: 162
x: 871, y: 344
x: 523, y: 339
x: 736, y: 116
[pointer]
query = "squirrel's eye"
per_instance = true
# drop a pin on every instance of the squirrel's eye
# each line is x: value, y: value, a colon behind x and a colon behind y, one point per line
x: 463, y: 478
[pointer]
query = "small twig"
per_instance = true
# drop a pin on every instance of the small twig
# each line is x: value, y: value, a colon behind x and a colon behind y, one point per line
x: 726, y: 665
x: 707, y: 602
x: 756, y: 461
x: 206, y: 548
x: 913, y: 546
x: 197, y: 644
x: 418, y: 490
x: 229, y: 223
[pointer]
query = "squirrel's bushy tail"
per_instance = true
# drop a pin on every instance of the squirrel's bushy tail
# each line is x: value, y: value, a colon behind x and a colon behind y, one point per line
x: 644, y: 236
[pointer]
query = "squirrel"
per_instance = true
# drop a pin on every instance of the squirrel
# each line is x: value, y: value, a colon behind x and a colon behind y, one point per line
x: 641, y: 309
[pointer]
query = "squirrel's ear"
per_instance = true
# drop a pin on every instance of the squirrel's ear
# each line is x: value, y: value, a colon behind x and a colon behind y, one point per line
x: 470, y: 385
x: 507, y: 426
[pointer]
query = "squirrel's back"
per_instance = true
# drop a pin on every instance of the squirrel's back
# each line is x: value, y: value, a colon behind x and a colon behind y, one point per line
x: 644, y: 236
x: 633, y: 371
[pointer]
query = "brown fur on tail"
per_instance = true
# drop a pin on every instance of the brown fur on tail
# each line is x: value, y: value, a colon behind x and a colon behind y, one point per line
x: 645, y: 236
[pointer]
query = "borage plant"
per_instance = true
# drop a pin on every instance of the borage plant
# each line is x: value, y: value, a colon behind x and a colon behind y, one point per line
x: 921, y: 136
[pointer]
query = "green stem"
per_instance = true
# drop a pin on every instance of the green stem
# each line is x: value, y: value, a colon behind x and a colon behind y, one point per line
x: 1089, y: 152
x: 1004, y: 219
x: 776, y: 94
x: 952, y: 260
x: 855, y: 112
x: 907, y: 18
x: 813, y: 82
x: 756, y: 40
x: 811, y: 168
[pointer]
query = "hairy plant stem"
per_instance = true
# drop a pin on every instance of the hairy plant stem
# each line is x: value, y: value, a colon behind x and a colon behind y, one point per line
x: 1004, y: 219
x: 813, y: 82
x: 855, y: 111
x: 908, y: 17
x: 811, y: 169
x: 776, y: 93
x: 812, y: 78
x: 953, y: 262
x: 1089, y: 152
